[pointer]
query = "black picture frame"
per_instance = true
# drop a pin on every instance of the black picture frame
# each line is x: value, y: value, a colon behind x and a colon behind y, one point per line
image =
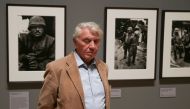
x: 18, y: 23
x: 117, y: 20
x: 175, y: 56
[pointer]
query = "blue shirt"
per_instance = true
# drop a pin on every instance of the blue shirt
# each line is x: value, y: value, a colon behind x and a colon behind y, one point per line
x: 94, y: 94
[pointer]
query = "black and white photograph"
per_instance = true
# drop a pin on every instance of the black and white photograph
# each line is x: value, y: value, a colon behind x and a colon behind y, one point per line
x: 36, y: 39
x: 36, y: 36
x: 180, y: 44
x: 176, y: 47
x: 130, y: 42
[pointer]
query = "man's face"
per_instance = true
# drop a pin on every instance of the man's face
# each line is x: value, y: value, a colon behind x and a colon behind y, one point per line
x: 176, y: 32
x: 37, y: 31
x: 129, y: 29
x: 87, y: 45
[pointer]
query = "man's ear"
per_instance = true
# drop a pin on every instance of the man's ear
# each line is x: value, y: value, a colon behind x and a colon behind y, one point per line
x: 74, y: 40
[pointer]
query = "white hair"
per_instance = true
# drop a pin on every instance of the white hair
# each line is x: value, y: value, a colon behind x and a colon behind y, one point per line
x: 92, y: 26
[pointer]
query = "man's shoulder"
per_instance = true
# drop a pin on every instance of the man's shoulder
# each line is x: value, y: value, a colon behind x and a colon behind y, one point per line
x: 23, y: 35
x: 100, y: 62
x: 49, y: 37
x: 57, y: 67
x: 63, y: 61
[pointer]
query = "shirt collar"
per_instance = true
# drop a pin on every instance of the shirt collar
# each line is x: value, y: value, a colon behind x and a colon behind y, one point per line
x: 80, y: 62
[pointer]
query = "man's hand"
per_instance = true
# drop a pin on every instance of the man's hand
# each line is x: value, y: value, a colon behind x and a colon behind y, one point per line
x: 32, y: 62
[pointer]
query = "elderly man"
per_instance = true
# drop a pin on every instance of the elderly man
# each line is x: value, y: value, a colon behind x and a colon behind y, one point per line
x: 79, y: 80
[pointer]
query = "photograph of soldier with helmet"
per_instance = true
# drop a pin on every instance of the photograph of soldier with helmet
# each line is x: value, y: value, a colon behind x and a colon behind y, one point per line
x: 35, y: 36
x: 36, y: 42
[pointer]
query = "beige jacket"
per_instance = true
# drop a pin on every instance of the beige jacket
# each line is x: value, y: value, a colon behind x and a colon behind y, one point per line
x: 62, y: 88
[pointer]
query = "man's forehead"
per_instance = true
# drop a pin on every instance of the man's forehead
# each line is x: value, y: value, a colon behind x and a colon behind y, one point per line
x: 36, y: 26
x: 90, y: 37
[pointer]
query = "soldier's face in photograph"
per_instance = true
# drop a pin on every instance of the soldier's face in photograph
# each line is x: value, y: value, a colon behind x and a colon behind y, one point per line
x: 129, y: 30
x: 37, y: 31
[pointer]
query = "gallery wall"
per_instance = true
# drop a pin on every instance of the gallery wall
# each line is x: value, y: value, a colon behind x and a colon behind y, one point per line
x: 135, y: 94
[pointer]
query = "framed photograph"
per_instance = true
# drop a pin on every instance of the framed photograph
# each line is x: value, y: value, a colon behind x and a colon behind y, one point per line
x: 130, y: 42
x: 36, y: 36
x: 176, y: 44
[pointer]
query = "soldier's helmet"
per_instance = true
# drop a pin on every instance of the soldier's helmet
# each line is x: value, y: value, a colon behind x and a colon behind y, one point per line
x: 137, y: 33
x: 36, y: 21
x: 130, y: 29
x: 185, y: 31
x: 176, y: 29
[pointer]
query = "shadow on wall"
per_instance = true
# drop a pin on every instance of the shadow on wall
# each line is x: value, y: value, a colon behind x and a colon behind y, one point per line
x: 21, y: 85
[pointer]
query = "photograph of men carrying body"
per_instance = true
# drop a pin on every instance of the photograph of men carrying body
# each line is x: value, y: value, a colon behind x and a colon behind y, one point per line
x: 130, y: 43
x: 180, y: 44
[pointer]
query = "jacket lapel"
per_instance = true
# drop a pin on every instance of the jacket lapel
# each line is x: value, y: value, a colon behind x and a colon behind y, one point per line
x: 103, y: 75
x: 73, y: 72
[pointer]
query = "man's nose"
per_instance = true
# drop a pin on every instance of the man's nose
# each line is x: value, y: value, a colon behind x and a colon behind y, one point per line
x: 92, y: 44
x: 37, y: 28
